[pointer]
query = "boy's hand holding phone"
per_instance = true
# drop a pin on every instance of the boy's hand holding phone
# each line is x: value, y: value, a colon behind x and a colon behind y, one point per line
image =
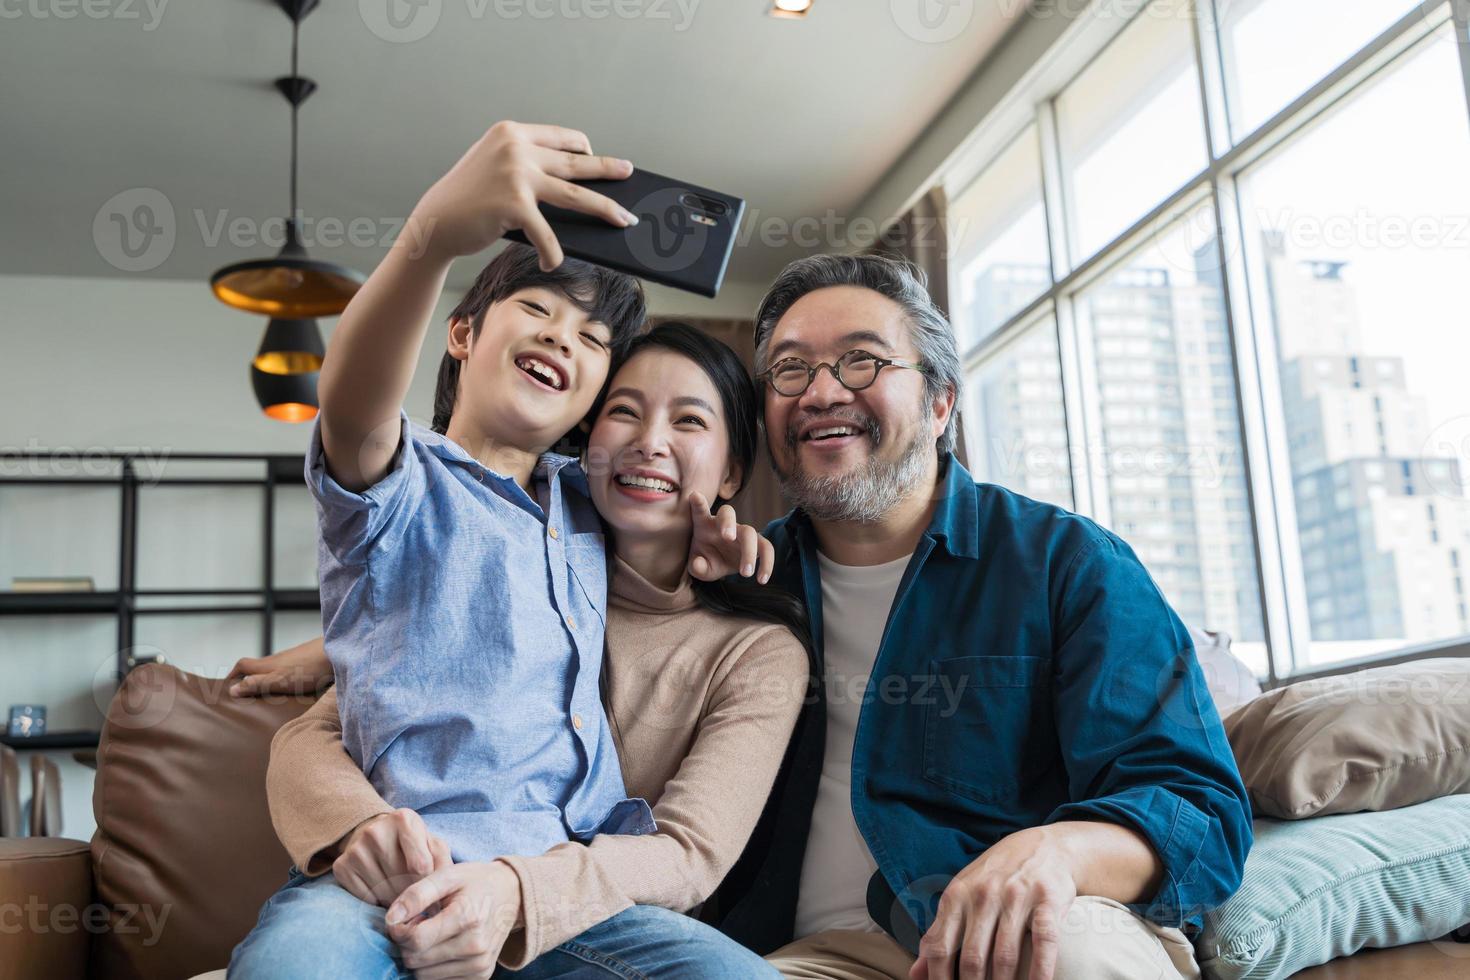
x: 496, y: 185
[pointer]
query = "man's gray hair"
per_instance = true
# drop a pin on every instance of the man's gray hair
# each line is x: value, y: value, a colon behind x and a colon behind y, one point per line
x: 901, y: 281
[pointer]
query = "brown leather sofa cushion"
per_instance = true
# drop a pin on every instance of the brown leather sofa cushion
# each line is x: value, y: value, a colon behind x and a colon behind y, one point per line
x: 46, y: 910
x: 184, y: 852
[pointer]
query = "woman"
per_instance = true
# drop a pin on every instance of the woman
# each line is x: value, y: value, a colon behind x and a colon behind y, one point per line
x: 702, y: 684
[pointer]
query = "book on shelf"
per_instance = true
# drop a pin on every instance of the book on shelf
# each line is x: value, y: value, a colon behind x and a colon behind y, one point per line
x: 44, y: 583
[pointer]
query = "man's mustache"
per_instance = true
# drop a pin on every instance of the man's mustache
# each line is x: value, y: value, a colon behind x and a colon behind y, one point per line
x: 834, y: 417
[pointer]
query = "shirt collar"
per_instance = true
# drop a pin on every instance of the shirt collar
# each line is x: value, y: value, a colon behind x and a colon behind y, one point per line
x: 548, y: 465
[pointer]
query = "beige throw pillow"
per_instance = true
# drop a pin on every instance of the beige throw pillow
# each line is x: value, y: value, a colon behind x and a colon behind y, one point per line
x: 1373, y: 740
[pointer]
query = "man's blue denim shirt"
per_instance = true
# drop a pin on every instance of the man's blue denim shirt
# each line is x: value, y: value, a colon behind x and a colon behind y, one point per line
x: 1030, y: 672
x: 464, y: 622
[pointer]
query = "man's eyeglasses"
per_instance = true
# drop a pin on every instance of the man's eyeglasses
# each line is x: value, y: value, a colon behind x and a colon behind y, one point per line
x: 855, y: 370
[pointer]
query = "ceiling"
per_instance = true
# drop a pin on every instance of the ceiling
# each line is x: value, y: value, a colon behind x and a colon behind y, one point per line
x: 169, y: 104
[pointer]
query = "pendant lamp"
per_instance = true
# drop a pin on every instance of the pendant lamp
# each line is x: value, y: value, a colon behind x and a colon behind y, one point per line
x: 285, y: 370
x: 291, y: 285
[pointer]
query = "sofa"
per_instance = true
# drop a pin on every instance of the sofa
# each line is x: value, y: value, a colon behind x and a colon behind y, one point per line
x: 184, y: 854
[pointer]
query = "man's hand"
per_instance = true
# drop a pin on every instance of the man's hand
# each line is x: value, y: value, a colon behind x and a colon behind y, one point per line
x: 473, y: 908
x: 303, y: 669
x: 722, y: 546
x: 1022, y: 885
x: 497, y: 184
x: 388, y: 853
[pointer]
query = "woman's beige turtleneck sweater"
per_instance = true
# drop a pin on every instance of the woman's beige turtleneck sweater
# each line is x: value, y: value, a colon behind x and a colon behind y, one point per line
x: 701, y: 707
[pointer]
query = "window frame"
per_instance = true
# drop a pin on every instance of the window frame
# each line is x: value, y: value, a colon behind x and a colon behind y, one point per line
x: 1260, y: 414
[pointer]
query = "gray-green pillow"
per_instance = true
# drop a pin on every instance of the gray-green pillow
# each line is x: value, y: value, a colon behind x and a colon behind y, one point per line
x: 1327, y: 887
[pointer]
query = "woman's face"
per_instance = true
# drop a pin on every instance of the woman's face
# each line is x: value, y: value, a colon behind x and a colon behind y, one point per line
x: 660, y: 437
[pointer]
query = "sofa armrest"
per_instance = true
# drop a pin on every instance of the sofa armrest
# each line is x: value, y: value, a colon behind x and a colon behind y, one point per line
x: 45, y: 899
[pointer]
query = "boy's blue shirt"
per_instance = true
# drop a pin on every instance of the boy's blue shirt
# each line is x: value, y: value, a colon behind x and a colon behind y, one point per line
x: 464, y: 621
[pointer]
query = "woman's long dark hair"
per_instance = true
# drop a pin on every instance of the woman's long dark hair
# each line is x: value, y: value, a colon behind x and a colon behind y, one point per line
x: 732, y: 596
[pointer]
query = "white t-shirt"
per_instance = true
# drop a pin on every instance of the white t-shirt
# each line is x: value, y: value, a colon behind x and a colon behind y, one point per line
x: 835, y: 872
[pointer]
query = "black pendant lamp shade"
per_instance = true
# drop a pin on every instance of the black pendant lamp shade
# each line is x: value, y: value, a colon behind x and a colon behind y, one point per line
x: 285, y: 369
x: 292, y: 284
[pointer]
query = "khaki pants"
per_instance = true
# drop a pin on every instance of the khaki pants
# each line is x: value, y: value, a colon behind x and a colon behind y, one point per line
x: 1101, y: 940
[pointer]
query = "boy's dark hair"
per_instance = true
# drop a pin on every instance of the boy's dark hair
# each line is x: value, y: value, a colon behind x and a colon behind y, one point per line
x: 609, y: 297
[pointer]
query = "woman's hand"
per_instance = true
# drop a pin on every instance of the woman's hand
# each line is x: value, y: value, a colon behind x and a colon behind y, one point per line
x: 478, y: 904
x: 303, y: 669
x: 386, y: 854
x: 496, y: 186
x: 722, y: 546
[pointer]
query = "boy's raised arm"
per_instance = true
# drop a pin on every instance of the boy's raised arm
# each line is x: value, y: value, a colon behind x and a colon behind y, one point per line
x: 494, y: 188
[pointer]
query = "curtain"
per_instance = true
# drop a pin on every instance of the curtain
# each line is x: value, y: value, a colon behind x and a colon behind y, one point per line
x: 920, y: 237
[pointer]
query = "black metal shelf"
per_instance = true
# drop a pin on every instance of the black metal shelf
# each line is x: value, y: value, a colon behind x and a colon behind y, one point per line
x: 53, y: 740
x: 279, y: 470
x: 58, y: 603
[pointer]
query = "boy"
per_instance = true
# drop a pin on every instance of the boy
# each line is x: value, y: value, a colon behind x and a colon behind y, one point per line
x: 463, y: 580
x: 463, y: 576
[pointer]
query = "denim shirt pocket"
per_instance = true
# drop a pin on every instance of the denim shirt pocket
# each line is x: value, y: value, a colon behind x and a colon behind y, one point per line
x: 587, y: 559
x: 984, y: 713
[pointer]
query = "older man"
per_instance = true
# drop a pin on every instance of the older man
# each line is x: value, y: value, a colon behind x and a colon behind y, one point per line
x: 1013, y: 767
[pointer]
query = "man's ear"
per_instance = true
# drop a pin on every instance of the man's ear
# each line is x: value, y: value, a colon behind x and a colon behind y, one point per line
x: 461, y: 335
x: 944, y: 407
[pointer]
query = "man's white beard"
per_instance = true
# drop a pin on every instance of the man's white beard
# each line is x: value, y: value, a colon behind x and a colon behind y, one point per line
x: 866, y: 495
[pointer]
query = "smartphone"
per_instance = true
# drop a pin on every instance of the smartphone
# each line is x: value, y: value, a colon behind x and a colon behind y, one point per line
x: 683, y: 238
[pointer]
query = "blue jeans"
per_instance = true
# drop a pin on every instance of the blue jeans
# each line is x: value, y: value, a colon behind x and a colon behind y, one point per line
x: 313, y: 928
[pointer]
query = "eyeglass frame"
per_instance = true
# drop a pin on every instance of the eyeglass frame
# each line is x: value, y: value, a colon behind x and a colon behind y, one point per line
x: 836, y: 372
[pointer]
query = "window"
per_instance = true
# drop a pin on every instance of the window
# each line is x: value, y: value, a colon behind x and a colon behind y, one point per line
x: 1131, y: 128
x: 1000, y: 253
x: 1267, y: 65
x: 1015, y: 419
x: 1337, y: 529
x: 1360, y: 240
x: 1170, y: 441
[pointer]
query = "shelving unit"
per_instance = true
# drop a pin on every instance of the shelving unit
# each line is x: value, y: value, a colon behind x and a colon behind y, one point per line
x: 128, y: 603
x: 53, y: 740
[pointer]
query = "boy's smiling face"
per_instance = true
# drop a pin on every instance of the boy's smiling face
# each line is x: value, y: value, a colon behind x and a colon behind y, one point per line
x: 533, y: 371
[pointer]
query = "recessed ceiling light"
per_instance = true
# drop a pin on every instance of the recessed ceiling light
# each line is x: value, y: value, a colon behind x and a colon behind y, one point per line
x: 791, y: 8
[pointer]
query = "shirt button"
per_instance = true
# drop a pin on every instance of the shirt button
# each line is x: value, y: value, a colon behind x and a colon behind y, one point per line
x: 571, y: 623
x: 552, y: 532
x: 577, y: 722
